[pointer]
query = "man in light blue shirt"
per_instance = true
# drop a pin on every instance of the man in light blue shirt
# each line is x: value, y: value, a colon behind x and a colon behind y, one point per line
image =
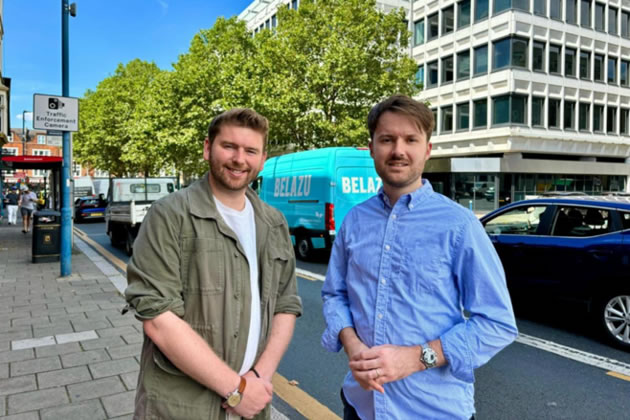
x: 405, y: 265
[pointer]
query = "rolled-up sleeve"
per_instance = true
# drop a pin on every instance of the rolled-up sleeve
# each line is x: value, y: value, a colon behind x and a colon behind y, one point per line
x: 335, y: 296
x: 481, y: 281
x: 153, y: 273
x: 288, y: 300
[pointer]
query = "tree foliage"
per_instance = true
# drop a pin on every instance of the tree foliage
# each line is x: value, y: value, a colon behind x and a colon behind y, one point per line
x: 315, y: 77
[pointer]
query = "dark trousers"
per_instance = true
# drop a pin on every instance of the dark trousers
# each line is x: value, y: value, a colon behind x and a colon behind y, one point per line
x: 349, y: 413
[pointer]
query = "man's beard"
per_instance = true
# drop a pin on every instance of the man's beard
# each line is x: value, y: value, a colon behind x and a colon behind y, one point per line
x: 220, y: 176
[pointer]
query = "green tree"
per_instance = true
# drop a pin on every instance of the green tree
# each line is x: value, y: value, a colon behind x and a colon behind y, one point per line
x: 110, y: 135
x: 326, y: 65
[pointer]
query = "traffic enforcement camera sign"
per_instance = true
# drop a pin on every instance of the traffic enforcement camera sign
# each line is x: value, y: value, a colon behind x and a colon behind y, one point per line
x: 55, y: 113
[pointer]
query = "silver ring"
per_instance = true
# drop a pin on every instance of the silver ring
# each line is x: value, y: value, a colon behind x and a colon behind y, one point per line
x: 378, y: 373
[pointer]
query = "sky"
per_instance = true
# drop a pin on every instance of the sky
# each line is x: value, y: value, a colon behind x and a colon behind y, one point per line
x: 104, y: 34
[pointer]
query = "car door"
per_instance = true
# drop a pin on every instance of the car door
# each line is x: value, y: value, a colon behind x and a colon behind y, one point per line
x: 518, y: 235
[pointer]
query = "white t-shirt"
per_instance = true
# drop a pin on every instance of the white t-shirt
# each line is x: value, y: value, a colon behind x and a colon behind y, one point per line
x: 243, y: 224
x: 28, y: 200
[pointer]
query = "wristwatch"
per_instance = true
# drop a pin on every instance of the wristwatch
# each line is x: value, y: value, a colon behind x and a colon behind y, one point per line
x: 234, y: 398
x: 428, y: 357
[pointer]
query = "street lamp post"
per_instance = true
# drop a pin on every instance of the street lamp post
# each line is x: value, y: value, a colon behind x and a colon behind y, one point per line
x: 24, y: 133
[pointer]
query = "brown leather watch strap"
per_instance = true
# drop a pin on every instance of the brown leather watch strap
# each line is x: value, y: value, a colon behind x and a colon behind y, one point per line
x: 241, y: 386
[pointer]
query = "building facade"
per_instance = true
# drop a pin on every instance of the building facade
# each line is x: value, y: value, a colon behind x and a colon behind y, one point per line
x: 35, y: 143
x: 529, y: 96
x: 5, y: 85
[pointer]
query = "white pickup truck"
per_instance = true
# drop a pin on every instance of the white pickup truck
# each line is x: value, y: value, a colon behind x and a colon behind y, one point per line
x: 128, y: 201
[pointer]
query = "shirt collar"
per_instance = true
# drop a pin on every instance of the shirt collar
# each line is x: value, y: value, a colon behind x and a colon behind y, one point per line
x: 409, y: 200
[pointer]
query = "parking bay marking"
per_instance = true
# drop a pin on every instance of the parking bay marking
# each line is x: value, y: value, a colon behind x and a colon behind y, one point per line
x: 616, y: 368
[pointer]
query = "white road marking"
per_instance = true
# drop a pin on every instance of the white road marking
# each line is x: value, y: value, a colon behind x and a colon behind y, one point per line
x: 575, y: 354
x: 309, y: 275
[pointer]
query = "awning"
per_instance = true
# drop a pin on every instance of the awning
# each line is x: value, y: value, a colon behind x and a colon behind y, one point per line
x: 31, y: 162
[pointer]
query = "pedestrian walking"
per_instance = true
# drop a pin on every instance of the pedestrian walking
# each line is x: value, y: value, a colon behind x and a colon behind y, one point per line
x: 415, y: 292
x: 12, y: 200
x: 212, y: 278
x: 28, y: 201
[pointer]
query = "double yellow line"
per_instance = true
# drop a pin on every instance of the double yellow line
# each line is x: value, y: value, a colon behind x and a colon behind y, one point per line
x: 302, y: 402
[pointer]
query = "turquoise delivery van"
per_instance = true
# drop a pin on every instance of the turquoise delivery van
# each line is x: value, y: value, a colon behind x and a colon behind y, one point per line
x: 315, y: 189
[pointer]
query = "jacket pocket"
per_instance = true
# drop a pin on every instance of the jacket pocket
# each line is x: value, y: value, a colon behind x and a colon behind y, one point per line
x: 203, y: 266
x: 428, y: 274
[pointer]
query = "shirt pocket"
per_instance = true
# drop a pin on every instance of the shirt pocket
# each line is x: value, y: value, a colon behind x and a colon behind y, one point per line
x: 203, y: 266
x: 429, y: 273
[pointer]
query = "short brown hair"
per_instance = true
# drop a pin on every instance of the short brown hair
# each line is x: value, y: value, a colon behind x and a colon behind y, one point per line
x: 402, y: 104
x: 239, y: 117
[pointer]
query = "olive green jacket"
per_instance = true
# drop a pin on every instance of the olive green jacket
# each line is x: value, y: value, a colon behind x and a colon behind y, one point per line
x: 188, y: 261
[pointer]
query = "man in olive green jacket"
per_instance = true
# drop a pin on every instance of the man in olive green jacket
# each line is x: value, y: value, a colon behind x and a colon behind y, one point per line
x: 213, y: 280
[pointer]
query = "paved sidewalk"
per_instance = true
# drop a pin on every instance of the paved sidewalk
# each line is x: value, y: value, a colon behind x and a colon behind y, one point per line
x: 66, y: 352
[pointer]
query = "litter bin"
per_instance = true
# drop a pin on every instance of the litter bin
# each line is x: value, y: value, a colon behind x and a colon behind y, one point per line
x: 46, y: 236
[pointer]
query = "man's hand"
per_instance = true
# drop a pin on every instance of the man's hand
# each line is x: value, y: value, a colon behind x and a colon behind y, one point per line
x: 387, y: 363
x: 257, y: 395
x: 354, y: 347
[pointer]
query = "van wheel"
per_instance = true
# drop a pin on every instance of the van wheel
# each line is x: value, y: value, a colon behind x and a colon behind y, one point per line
x: 304, y: 248
x: 612, y: 314
x: 129, y: 244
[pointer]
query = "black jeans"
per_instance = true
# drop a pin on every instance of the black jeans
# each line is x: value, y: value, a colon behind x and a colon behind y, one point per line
x: 349, y: 413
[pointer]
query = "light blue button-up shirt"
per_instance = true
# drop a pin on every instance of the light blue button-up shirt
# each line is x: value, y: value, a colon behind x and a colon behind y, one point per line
x: 403, y: 275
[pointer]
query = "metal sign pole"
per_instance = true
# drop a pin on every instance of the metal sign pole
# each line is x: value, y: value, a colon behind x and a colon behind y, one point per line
x: 66, y: 211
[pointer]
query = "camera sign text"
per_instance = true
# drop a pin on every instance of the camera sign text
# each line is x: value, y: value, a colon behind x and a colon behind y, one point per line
x: 59, y: 113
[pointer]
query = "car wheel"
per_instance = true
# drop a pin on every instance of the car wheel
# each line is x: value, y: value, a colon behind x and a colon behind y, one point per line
x: 129, y: 244
x: 613, y: 313
x: 304, y: 248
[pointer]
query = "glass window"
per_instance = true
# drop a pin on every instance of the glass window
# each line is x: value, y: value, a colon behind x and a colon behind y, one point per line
x: 518, y: 109
x: 419, y: 32
x: 612, y: 20
x: 569, y: 62
x: 481, y: 59
x: 612, y: 70
x: 420, y: 75
x: 569, y: 115
x: 501, y: 110
x: 585, y: 13
x: 481, y: 9
x: 571, y: 11
x: 538, y: 61
x: 520, y: 4
x: 432, y: 76
x: 448, y: 20
x: 480, y: 109
x: 41, y: 139
x: 463, y: 116
x: 598, y: 70
x: 554, y: 113
x: 538, y: 112
x: 500, y: 5
x: 581, y: 222
x: 584, y: 117
x: 554, y: 58
x: 611, y: 120
x: 555, y: 9
x: 463, y: 13
x: 625, y: 220
x: 435, y: 119
x: 463, y: 65
x: 519, y: 52
x: 540, y: 7
x: 624, y: 122
x: 625, y: 24
x: 598, y: 118
x: 501, y: 57
x: 623, y: 73
x: 522, y: 220
x: 434, y: 26
x: 585, y: 65
x: 600, y: 16
x: 447, y: 69
x: 447, y: 119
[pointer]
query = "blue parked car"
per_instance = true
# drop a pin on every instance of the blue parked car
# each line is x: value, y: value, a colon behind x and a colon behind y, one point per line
x: 575, y: 248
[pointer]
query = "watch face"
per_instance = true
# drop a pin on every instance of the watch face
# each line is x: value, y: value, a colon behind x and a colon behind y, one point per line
x: 429, y: 356
x: 234, y: 399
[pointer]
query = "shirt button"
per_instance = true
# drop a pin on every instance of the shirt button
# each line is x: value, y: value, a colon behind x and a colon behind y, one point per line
x: 410, y: 206
x: 386, y: 247
x: 383, y: 281
x: 393, y: 216
x: 236, y: 334
x: 380, y: 316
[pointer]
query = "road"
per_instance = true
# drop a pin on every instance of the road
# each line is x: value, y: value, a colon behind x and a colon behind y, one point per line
x: 521, y: 382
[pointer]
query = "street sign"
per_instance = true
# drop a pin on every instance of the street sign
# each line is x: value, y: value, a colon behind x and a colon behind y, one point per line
x: 55, y: 113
